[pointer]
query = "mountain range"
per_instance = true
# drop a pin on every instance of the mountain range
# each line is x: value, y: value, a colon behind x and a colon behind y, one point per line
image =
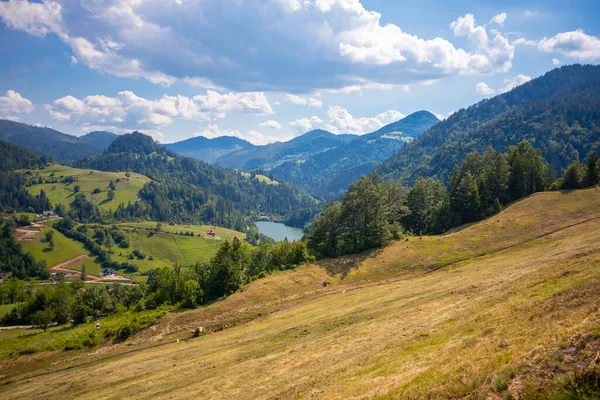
x: 209, y: 150
x: 58, y: 145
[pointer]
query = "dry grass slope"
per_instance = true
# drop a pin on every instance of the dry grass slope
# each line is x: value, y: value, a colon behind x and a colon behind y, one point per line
x: 503, y: 307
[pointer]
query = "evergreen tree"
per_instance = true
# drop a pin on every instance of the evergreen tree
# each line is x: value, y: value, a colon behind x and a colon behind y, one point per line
x: 592, y: 176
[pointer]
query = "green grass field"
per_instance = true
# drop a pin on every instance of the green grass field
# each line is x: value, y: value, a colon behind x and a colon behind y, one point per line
x: 262, y: 178
x: 64, y: 249
x: 61, y: 193
x: 222, y: 233
x: 505, y: 308
x: 5, y: 308
x: 168, y: 248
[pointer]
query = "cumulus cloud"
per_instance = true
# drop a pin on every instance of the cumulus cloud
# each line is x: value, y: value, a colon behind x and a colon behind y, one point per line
x: 511, y: 83
x: 332, y: 44
x: 252, y: 136
x: 341, y: 121
x: 270, y: 124
x: 304, y: 125
x: 311, y: 102
x: 498, y: 19
x: 556, y: 61
x: 483, y: 89
x: 128, y: 109
x: 576, y: 44
x: 13, y: 103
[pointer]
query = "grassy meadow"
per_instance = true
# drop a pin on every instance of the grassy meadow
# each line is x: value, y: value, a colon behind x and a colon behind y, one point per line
x: 64, y: 248
x: 505, y: 308
x: 62, y: 193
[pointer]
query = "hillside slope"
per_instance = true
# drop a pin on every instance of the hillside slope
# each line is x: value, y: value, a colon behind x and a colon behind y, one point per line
x: 271, y: 155
x: 330, y: 172
x: 557, y: 113
x: 209, y: 150
x: 193, y: 191
x: 490, y: 310
x: 55, y: 144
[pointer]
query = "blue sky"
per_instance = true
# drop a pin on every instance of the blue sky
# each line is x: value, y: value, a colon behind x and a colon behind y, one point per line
x: 269, y: 70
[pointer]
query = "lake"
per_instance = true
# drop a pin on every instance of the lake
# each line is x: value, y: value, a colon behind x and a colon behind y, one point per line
x: 279, y: 231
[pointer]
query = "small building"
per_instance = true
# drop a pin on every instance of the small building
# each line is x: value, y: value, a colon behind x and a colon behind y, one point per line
x: 48, y: 213
x: 3, y: 275
x: 107, y: 272
x: 211, y: 232
x: 172, y: 223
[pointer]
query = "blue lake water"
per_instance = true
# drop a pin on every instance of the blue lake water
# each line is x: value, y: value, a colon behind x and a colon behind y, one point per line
x: 279, y: 231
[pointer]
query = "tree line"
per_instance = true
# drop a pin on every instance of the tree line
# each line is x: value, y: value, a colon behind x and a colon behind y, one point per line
x: 374, y: 211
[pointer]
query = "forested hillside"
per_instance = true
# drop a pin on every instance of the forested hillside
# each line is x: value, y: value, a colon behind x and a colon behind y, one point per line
x: 271, y: 155
x: 47, y: 141
x: 189, y: 190
x: 329, y: 173
x: 558, y: 113
x: 209, y: 150
x: 13, y: 194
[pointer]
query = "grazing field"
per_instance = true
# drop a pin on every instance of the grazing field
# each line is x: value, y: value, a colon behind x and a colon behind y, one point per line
x: 221, y: 233
x: 126, y: 188
x: 168, y: 247
x: 64, y: 249
x: 262, y: 178
x: 505, y: 308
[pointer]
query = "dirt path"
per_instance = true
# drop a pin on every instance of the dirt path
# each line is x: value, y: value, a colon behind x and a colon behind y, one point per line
x: 63, y: 267
x: 26, y: 234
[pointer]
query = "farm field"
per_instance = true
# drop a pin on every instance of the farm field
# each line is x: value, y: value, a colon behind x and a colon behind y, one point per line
x: 497, y: 309
x: 221, y: 233
x: 64, y: 249
x: 127, y: 188
x: 168, y: 247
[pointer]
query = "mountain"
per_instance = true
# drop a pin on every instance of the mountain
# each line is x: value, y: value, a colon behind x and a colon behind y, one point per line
x: 55, y: 144
x: 329, y: 173
x: 271, y: 155
x: 189, y: 190
x: 209, y: 150
x: 558, y: 113
x: 100, y: 139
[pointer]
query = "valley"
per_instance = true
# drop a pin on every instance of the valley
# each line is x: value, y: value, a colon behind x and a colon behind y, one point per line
x: 396, y: 256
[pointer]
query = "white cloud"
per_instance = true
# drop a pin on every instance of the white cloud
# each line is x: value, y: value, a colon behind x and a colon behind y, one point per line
x: 270, y: 124
x: 10, y: 118
x: 304, y: 125
x: 465, y: 26
x: 525, y: 42
x: 128, y: 109
x: 341, y: 121
x: 13, y: 103
x: 252, y: 136
x: 73, y: 60
x: 167, y: 42
x: 511, y: 83
x: 556, y: 61
x: 311, y: 102
x: 37, y: 19
x: 483, y: 89
x: 576, y: 44
x: 498, y: 19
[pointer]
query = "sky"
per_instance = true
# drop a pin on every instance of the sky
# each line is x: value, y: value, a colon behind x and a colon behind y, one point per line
x: 270, y: 70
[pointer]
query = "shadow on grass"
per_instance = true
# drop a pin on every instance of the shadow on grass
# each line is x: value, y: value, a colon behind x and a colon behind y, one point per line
x: 343, y: 265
